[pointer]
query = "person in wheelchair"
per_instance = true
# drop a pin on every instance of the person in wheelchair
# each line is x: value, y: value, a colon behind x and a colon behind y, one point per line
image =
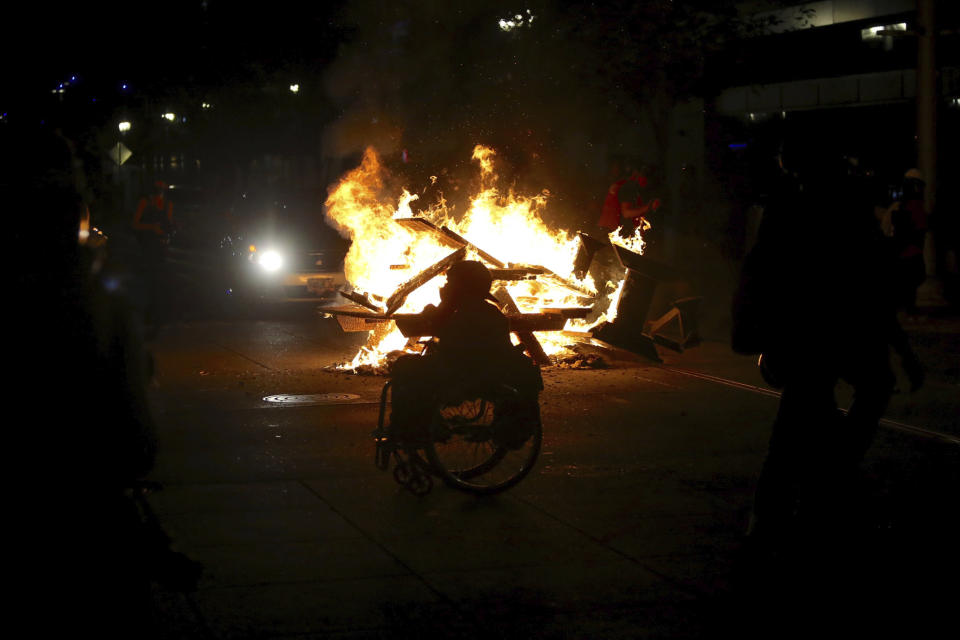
x: 471, y: 351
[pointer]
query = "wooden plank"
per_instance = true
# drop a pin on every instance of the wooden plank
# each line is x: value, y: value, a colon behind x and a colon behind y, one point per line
x: 586, y: 249
x: 568, y: 312
x: 568, y: 285
x: 361, y: 299
x: 422, y: 225
x: 527, y: 339
x: 532, y: 269
x: 396, y: 300
x: 483, y: 254
x: 512, y: 275
x: 355, y: 312
x: 550, y: 276
x: 356, y: 323
x: 536, y: 322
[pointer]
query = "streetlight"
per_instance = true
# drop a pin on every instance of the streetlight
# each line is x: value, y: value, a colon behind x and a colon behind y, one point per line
x: 124, y: 126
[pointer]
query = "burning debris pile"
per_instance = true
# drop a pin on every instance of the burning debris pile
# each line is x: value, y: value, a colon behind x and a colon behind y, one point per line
x: 541, y: 276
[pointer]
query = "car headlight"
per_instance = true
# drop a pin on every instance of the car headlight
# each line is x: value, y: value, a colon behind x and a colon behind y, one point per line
x: 270, y: 260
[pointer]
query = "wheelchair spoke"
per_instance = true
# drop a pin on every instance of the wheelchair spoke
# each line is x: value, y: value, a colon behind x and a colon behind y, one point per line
x: 469, y: 451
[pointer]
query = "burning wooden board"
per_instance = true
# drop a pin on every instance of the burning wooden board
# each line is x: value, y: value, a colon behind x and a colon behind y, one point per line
x: 483, y: 254
x: 362, y: 300
x: 396, y: 300
x: 586, y: 249
x: 527, y: 339
x: 355, y: 318
x: 515, y: 273
x: 568, y: 312
x: 446, y: 236
x: 422, y: 225
x: 536, y: 272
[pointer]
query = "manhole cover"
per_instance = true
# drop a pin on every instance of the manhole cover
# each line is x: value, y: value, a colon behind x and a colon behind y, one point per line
x: 312, y: 398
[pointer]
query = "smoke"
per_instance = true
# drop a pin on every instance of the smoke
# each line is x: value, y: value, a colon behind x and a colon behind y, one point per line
x: 424, y: 83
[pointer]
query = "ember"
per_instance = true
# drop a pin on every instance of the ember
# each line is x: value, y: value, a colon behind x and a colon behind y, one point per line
x: 541, y: 276
x: 581, y: 361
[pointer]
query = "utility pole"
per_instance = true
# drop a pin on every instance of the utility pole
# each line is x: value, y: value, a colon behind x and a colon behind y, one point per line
x: 930, y: 292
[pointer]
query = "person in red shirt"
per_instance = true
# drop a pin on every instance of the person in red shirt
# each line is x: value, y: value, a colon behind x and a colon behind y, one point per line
x: 153, y: 219
x: 909, y: 222
x: 624, y: 206
x: 152, y: 224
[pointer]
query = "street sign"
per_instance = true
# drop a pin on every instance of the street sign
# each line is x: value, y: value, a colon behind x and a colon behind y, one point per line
x: 120, y: 154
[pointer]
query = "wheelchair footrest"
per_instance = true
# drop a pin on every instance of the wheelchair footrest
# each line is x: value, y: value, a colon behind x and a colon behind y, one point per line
x: 384, y: 449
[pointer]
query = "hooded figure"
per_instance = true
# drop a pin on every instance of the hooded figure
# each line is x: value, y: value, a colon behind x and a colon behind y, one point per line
x: 787, y: 282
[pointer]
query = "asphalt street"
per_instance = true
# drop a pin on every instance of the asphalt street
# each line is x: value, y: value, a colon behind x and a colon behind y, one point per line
x: 630, y: 526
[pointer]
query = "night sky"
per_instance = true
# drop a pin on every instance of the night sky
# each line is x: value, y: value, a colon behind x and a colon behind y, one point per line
x: 433, y: 78
x: 152, y: 45
x: 557, y: 96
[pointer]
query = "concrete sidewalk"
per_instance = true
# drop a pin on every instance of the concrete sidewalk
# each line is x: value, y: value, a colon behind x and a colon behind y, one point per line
x: 630, y: 526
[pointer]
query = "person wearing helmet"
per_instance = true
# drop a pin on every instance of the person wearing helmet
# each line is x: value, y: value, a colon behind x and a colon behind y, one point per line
x: 472, y: 346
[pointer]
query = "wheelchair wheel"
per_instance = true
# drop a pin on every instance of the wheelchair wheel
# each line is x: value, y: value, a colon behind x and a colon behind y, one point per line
x: 485, y: 443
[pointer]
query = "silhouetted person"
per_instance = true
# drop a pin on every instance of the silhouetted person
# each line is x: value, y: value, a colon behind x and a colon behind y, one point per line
x: 153, y: 218
x: 628, y: 202
x: 909, y: 227
x: 153, y: 223
x: 87, y: 434
x: 817, y: 306
x: 472, y: 348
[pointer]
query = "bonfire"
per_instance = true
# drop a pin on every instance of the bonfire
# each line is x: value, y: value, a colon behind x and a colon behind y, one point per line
x: 397, y: 258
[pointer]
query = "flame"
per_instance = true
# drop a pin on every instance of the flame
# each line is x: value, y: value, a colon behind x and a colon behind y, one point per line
x: 509, y: 226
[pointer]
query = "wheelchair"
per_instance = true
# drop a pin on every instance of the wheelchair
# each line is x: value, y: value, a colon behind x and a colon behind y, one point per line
x: 479, y: 438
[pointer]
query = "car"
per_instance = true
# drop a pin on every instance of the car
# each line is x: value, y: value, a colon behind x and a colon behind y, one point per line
x: 280, y: 249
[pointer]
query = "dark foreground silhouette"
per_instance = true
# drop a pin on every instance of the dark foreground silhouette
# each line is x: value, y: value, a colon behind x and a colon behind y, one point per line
x: 88, y: 551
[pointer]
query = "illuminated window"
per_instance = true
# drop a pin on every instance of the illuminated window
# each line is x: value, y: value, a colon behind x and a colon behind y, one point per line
x: 881, y: 31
